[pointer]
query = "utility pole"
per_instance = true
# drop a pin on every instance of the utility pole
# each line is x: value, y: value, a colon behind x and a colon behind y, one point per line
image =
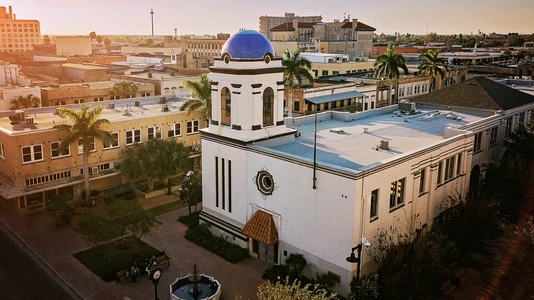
x: 152, y: 19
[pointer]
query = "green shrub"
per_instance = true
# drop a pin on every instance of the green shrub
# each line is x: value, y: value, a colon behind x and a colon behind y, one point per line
x: 201, y: 236
x: 296, y: 263
x: 190, y: 220
x: 277, y: 273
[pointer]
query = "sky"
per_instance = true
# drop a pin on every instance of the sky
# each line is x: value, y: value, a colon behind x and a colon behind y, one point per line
x: 228, y: 16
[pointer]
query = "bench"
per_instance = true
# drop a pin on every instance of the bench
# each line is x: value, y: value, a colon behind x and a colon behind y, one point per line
x: 163, y: 259
x: 122, y: 275
x: 447, y: 288
x: 463, y: 275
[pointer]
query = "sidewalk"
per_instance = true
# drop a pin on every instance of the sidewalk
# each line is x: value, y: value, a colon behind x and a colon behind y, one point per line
x: 56, y: 244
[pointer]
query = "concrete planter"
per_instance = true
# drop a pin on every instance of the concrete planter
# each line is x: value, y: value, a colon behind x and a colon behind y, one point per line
x: 155, y: 193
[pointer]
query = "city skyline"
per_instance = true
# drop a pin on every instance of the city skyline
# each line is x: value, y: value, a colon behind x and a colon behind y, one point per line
x: 64, y: 17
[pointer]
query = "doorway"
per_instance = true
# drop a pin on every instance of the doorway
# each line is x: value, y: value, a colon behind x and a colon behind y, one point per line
x: 264, y: 252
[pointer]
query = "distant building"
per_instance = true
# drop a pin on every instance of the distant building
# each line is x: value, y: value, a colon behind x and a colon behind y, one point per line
x: 17, y: 35
x: 269, y: 22
x: 9, y: 93
x: 73, y: 45
x: 339, y: 37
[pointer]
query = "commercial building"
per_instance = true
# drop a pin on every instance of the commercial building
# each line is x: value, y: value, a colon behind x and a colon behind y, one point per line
x: 17, y: 34
x: 76, y: 93
x: 8, y: 93
x: 315, y: 185
x: 73, y: 45
x: 33, y: 170
x: 269, y: 22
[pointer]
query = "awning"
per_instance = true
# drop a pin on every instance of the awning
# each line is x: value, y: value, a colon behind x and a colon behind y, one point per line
x: 63, y: 197
x: 261, y: 228
x: 130, y: 186
x: 334, y: 97
x: 114, y: 191
x: 56, y: 205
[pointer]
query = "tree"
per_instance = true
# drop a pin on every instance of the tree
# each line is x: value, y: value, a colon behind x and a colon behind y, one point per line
x: 173, y: 158
x: 521, y: 142
x: 124, y: 89
x: 201, y: 93
x: 99, y: 39
x: 297, y: 69
x: 191, y: 190
x: 364, y: 289
x: 95, y: 228
x: 388, y: 65
x: 84, y: 129
x: 46, y: 39
x: 107, y: 42
x: 292, y: 291
x: 139, y: 161
x: 432, y: 65
x: 92, y: 34
x: 21, y: 102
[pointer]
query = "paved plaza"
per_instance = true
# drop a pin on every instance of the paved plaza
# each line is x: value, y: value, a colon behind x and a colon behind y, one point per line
x: 56, y: 244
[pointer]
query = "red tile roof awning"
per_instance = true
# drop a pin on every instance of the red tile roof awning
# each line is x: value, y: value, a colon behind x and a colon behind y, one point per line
x: 261, y: 228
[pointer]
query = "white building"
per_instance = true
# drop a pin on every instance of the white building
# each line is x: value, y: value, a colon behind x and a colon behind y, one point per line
x: 266, y: 189
x: 73, y: 45
x: 9, y: 93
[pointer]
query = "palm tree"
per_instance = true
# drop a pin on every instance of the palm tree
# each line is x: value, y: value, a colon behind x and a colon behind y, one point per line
x: 297, y: 70
x: 387, y: 65
x: 201, y: 93
x: 173, y: 158
x: 124, y: 89
x: 92, y: 34
x: 141, y: 161
x: 85, y: 127
x: 432, y: 65
x: 21, y: 102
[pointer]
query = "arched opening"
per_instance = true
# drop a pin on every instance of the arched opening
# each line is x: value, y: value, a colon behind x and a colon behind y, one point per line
x: 226, y: 106
x: 268, y: 107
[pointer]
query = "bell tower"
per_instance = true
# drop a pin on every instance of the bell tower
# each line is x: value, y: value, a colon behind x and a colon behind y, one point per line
x: 247, y: 89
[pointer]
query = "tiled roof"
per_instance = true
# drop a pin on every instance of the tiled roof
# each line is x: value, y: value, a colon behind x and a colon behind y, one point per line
x: 289, y: 26
x: 478, y: 93
x: 359, y: 27
x: 261, y: 228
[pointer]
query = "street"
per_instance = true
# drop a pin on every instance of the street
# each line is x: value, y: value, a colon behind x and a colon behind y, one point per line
x: 21, y: 277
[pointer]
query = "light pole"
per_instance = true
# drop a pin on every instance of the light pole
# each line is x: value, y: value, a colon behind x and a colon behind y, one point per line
x: 152, y: 19
x: 358, y: 260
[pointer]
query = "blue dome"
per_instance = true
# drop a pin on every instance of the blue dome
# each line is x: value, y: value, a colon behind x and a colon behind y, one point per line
x: 247, y: 44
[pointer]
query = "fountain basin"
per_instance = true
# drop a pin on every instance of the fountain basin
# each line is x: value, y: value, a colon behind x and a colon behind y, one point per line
x: 209, y: 288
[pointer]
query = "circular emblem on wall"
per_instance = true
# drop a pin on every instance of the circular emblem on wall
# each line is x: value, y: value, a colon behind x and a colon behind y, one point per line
x: 265, y: 182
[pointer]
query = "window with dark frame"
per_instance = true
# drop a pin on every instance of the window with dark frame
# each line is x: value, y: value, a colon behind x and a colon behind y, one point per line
x: 422, y: 182
x: 374, y: 205
x: 440, y: 172
x: 396, y: 197
x: 493, y: 135
x: 478, y: 142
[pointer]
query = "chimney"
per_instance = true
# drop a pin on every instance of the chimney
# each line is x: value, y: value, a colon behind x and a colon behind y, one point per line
x: 9, y: 12
x: 354, y: 23
x: 296, y: 27
x: 14, y: 16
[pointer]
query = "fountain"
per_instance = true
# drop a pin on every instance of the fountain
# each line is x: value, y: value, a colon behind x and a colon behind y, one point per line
x: 195, y: 286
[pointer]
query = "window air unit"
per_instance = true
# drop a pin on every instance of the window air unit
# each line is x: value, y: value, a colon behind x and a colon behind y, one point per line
x: 94, y: 170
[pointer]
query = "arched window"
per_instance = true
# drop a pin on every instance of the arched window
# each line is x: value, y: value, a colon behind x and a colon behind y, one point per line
x: 268, y: 107
x: 226, y: 106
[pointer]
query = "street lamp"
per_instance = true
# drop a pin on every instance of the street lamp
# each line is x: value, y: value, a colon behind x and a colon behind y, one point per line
x: 357, y: 260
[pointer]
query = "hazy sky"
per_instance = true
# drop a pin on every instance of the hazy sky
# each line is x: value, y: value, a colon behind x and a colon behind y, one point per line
x: 211, y: 16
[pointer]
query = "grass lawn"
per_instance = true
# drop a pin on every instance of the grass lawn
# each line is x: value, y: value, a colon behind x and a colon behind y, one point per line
x: 109, y: 259
x: 165, y: 208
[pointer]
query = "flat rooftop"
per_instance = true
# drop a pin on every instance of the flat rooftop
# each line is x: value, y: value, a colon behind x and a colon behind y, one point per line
x: 355, y: 150
x: 84, y: 66
x: 45, y: 117
x: 525, y: 86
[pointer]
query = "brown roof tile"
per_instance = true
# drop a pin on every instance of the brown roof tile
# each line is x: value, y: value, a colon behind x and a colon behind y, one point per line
x: 359, y: 27
x: 479, y: 93
x: 289, y: 26
x: 261, y: 228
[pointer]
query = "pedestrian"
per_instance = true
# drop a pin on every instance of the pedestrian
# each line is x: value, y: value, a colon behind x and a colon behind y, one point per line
x: 133, y: 273
x: 153, y: 260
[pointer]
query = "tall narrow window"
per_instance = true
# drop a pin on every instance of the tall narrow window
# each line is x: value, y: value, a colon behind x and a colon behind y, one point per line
x: 229, y: 186
x: 223, y: 185
x: 268, y: 107
x: 508, y: 128
x: 459, y: 164
x: 396, y: 197
x: 374, y: 205
x: 493, y: 135
x: 216, y: 181
x: 422, y: 182
x: 226, y: 106
x: 449, y: 168
x: 478, y: 142
x: 440, y: 172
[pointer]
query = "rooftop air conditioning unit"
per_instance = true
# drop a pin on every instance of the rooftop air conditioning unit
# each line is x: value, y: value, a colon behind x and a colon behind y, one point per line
x: 406, y: 106
x: 127, y: 112
x: 195, y: 148
x: 94, y: 170
x: 384, y: 145
x: 111, y: 105
x: 165, y: 108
